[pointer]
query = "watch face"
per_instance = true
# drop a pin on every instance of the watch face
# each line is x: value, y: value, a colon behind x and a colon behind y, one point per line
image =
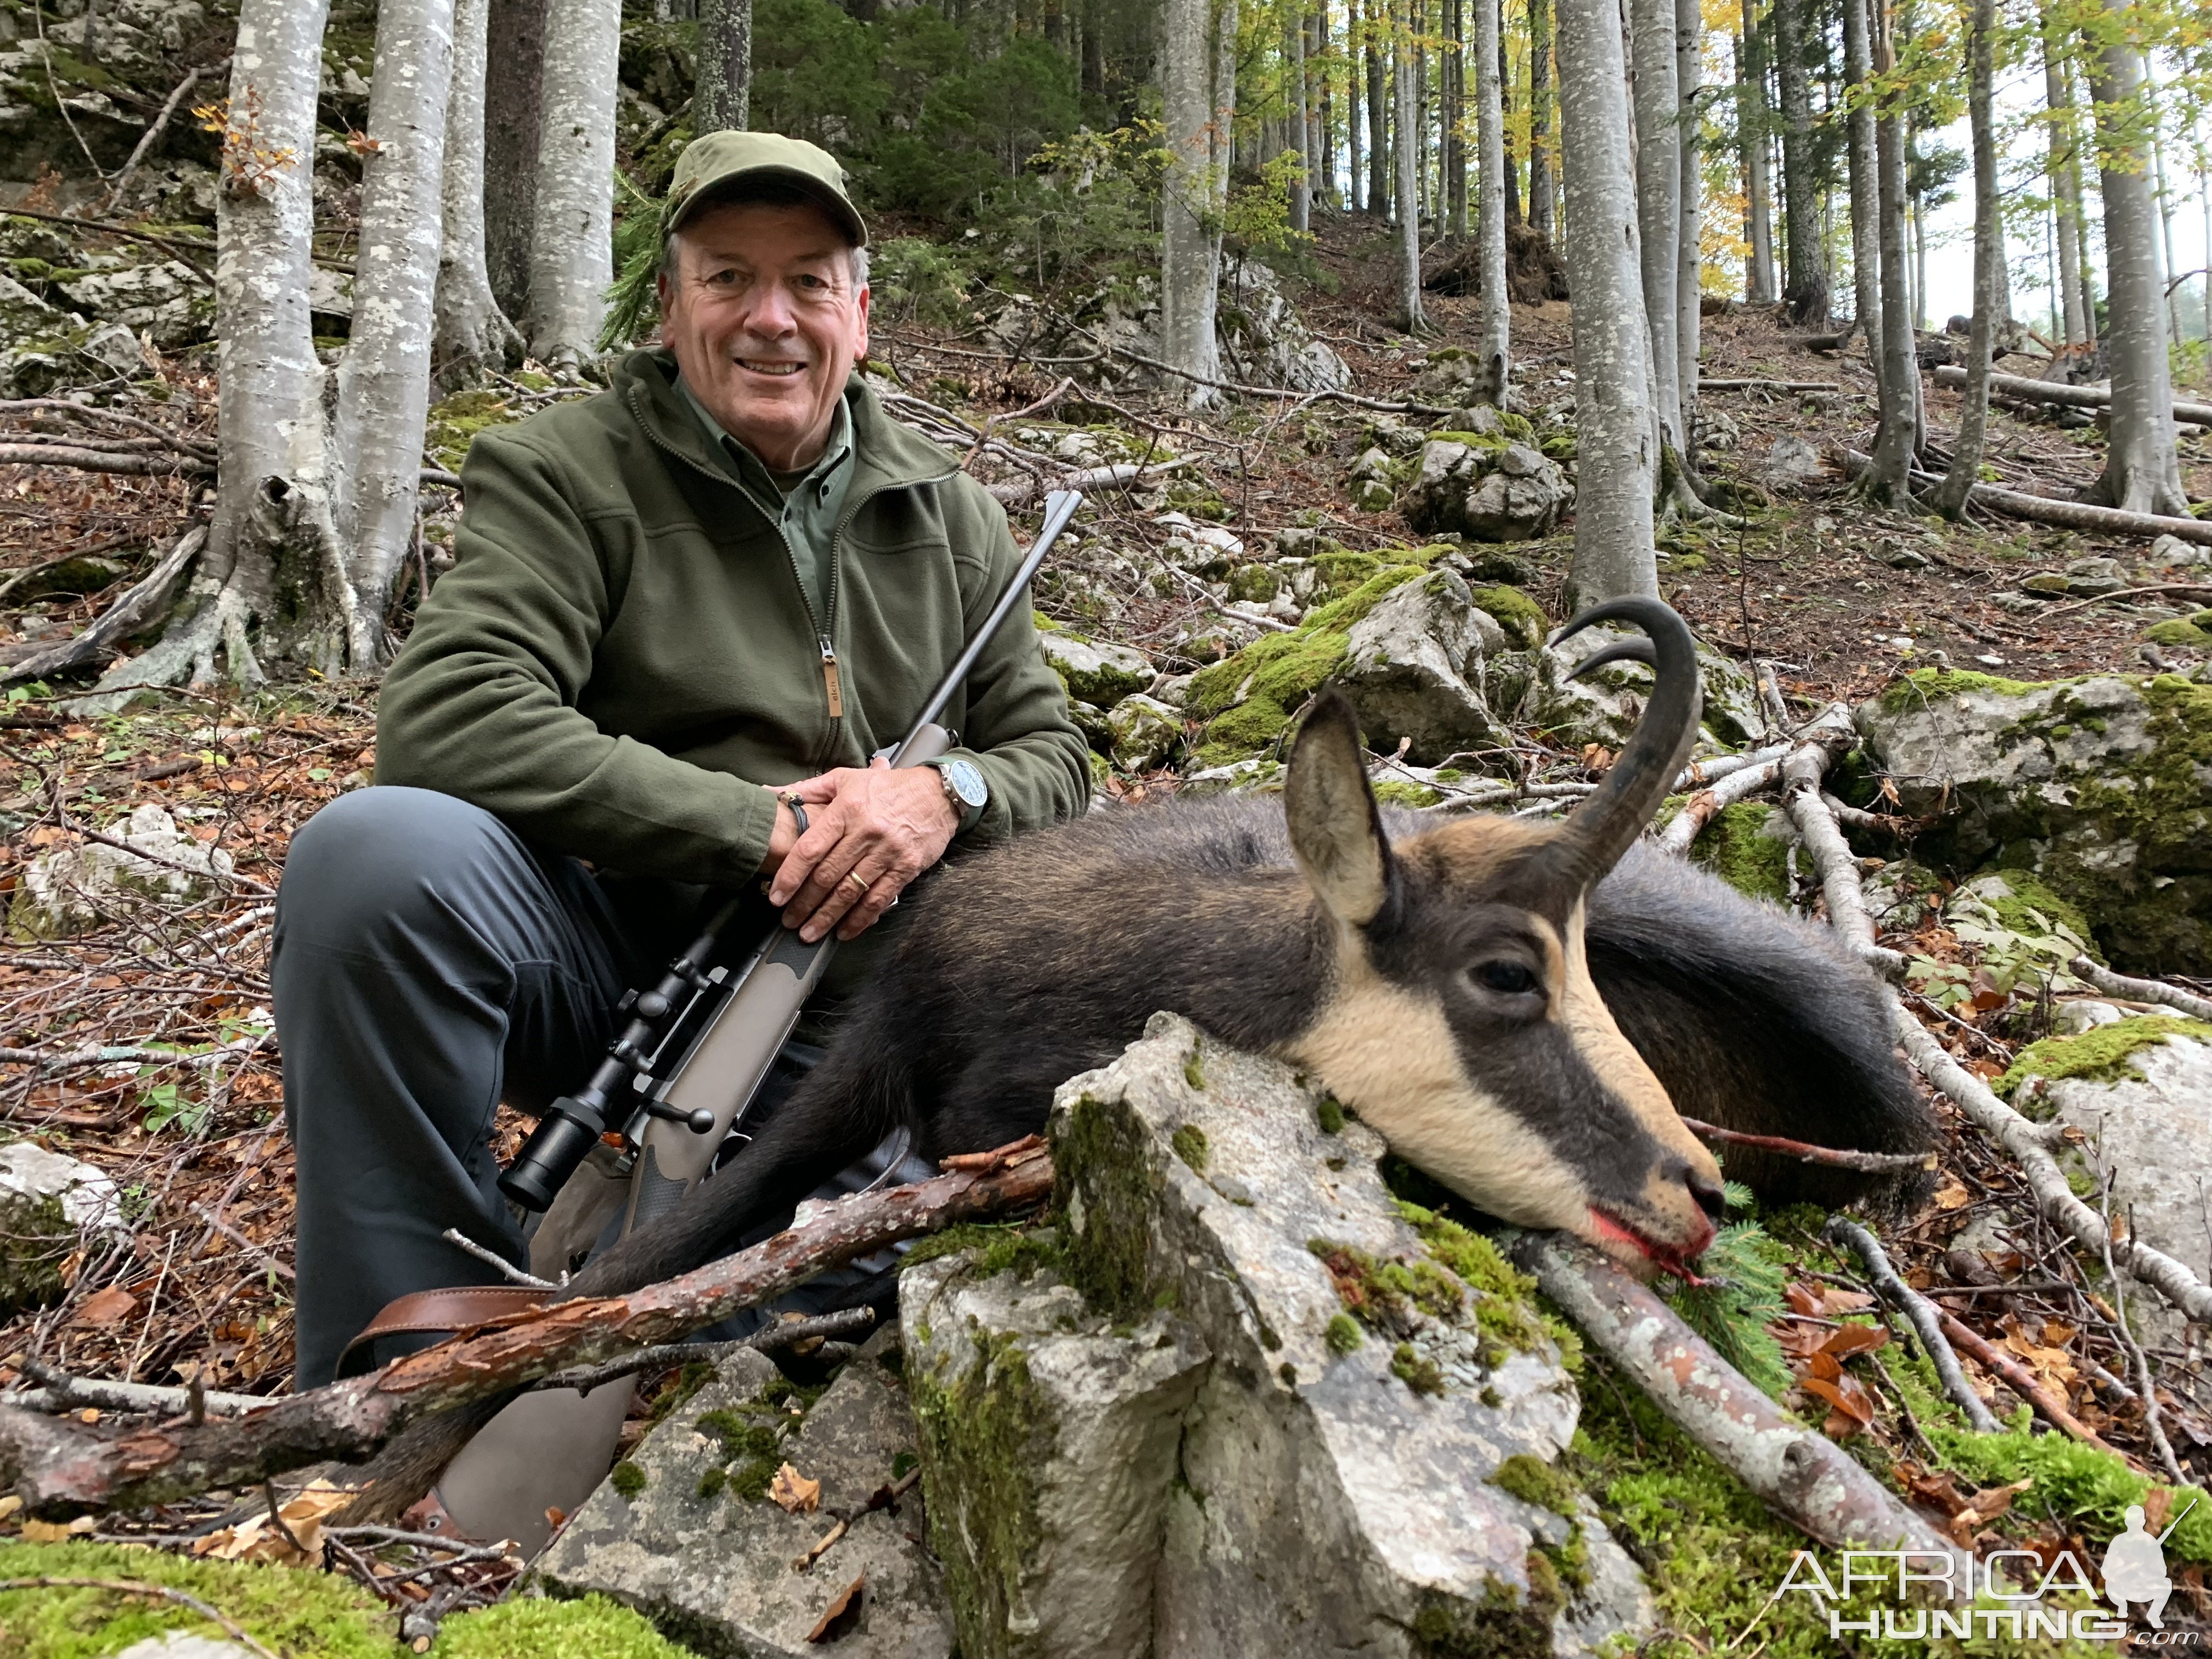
x: 967, y: 782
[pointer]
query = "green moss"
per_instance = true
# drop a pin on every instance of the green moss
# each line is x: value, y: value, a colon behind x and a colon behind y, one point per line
x: 1735, y: 848
x: 980, y: 1438
x: 1386, y: 1295
x: 2186, y: 635
x: 1423, y: 1377
x: 1533, y: 1480
x: 2032, y: 908
x: 455, y: 421
x: 1189, y: 1144
x: 1101, y: 1162
x: 1343, y: 1335
x: 1256, y: 583
x: 1503, y: 1624
x: 288, y: 1611
x: 1330, y: 1115
x: 2103, y: 1054
x: 627, y: 1479
x: 1193, y: 1073
x: 531, y: 1627
x: 998, y: 1248
x: 1505, y: 1306
x: 1521, y: 616
x: 1403, y: 791
x: 1933, y: 684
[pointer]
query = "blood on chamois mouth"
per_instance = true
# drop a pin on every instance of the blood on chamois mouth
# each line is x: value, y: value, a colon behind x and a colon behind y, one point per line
x: 1667, y: 1258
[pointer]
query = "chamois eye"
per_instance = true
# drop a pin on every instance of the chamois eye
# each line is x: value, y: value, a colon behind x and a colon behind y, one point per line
x: 1507, y: 978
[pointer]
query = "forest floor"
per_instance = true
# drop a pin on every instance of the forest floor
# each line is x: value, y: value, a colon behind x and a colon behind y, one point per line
x: 185, y: 1116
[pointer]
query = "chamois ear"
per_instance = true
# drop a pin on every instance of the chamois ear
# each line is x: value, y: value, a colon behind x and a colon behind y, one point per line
x: 1336, y: 831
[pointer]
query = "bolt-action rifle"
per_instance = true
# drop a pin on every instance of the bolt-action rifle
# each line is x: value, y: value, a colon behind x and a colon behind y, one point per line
x: 675, y: 1082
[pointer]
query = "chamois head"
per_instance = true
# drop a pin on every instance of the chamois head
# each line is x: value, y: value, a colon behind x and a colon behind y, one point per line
x: 1460, y: 1020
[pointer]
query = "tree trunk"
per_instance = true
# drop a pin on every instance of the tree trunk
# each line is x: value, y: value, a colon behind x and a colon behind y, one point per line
x: 1294, y: 91
x: 1615, y: 554
x: 515, y: 72
x: 1897, y: 375
x: 1381, y: 165
x: 1201, y: 115
x: 2141, y: 471
x: 1539, y: 119
x: 1320, y: 110
x: 1453, y: 65
x: 1689, y: 72
x: 571, y: 248
x: 1512, y: 174
x: 724, y: 96
x: 1491, y: 377
x: 1751, y: 130
x: 1866, y: 192
x: 384, y: 378
x: 1409, y: 209
x: 1659, y: 198
x: 1806, y: 286
x: 471, y: 330
x: 1950, y: 496
x: 1355, y: 30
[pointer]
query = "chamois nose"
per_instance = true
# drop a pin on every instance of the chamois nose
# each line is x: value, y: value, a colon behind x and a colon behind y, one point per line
x: 1708, y: 1192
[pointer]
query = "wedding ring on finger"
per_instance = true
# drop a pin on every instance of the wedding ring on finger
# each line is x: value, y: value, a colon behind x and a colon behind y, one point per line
x: 860, y: 882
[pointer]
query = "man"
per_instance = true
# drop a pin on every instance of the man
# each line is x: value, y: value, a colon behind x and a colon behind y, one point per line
x: 2134, y: 1569
x: 680, y: 607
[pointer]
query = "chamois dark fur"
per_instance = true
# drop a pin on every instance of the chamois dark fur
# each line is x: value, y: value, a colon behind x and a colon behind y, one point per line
x: 1034, y: 961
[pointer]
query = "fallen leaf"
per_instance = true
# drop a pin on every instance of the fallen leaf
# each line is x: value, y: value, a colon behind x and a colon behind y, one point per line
x: 259, y: 1539
x: 1849, y: 1339
x: 1802, y: 1298
x: 844, y: 1612
x: 1846, y: 1395
x: 108, y: 1307
x: 1836, y: 1301
x: 1952, y: 1194
x: 793, y: 1494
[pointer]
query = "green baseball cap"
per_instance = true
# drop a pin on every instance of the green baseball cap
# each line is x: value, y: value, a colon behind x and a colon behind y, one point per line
x: 711, y: 163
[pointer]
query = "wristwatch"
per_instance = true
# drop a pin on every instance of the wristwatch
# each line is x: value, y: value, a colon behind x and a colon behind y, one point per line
x: 963, y: 786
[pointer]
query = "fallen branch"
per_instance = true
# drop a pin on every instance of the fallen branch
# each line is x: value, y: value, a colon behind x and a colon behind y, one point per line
x: 2073, y: 516
x: 140, y: 465
x: 1926, y: 1317
x: 152, y: 135
x: 1684, y: 828
x: 1015, y: 491
x: 1801, y: 1475
x: 2060, y: 392
x: 2021, y: 1381
x: 65, y: 1393
x: 2186, y: 590
x: 2154, y: 1423
x: 1834, y: 1157
x: 61, y: 1468
x: 85, y: 414
x: 133, y: 614
x: 785, y: 1334
x: 1769, y: 385
x: 140, y: 1587
x: 2142, y: 990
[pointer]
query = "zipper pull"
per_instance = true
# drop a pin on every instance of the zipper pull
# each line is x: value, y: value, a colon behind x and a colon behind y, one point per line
x: 830, y: 679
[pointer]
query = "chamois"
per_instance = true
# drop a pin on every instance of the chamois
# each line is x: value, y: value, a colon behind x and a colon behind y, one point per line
x: 1508, y: 1004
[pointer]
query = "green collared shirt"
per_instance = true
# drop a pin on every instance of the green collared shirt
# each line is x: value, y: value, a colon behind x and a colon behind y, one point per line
x: 806, y: 513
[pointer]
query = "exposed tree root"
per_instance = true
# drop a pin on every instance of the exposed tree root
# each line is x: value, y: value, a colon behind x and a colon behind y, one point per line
x: 1926, y: 1317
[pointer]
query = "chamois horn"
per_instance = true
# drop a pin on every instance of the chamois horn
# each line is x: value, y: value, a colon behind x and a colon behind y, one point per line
x: 1607, y: 824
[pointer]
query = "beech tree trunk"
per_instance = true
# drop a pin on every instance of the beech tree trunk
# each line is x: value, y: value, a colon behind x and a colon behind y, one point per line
x: 470, y: 328
x: 1409, y: 198
x: 1866, y: 192
x: 1806, y: 284
x: 1381, y: 165
x: 1200, y: 110
x: 1689, y: 264
x: 723, y: 97
x: 571, y: 244
x: 514, y: 70
x: 1539, y: 119
x: 1497, y: 345
x: 2142, y: 473
x: 1897, y: 372
x: 1751, y: 132
x: 384, y: 378
x: 1659, y: 198
x: 1453, y: 69
x: 1355, y: 145
x: 1505, y: 110
x: 1950, y: 496
x: 1615, y: 554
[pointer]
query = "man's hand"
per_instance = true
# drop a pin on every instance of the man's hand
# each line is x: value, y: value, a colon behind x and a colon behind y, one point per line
x: 886, y: 826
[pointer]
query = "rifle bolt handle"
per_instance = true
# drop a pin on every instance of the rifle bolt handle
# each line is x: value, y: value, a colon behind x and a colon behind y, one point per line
x: 699, y: 1121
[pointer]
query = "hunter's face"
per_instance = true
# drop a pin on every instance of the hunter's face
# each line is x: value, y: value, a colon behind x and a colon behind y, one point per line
x: 765, y: 322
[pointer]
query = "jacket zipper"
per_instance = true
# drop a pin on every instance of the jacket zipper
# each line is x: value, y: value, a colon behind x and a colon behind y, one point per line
x: 832, y: 682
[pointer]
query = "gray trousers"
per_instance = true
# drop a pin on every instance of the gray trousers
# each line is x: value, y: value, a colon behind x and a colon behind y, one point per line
x: 428, y: 963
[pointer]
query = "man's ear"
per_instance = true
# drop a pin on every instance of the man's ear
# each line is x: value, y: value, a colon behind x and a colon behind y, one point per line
x: 1336, y: 831
x: 860, y: 328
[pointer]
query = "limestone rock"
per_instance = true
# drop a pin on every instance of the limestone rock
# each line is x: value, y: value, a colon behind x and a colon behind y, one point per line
x: 1264, y: 342
x: 1369, y: 480
x: 115, y: 349
x: 1488, y: 492
x: 684, y: 1538
x: 185, y: 1644
x: 48, y: 1202
x: 1412, y: 668
x: 1144, y: 732
x: 1095, y: 672
x: 2169, y: 552
x: 2091, y: 579
x: 1792, y: 464
x: 2100, y: 787
x: 1531, y: 687
x: 1330, y: 1490
x: 167, y: 300
x: 1050, y: 1440
x: 74, y: 889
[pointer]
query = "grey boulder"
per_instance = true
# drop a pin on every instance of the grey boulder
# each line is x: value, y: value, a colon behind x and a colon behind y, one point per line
x: 48, y: 1202
x: 1494, y: 491
x: 1093, y: 672
x: 1413, y: 669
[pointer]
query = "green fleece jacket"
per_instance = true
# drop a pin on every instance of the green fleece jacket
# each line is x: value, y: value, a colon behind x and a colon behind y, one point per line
x: 623, y: 655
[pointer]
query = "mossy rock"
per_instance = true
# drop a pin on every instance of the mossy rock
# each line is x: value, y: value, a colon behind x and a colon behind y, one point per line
x: 454, y: 423
x: 2187, y: 634
x: 1747, y: 845
x: 1521, y: 616
x: 2104, y: 1054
